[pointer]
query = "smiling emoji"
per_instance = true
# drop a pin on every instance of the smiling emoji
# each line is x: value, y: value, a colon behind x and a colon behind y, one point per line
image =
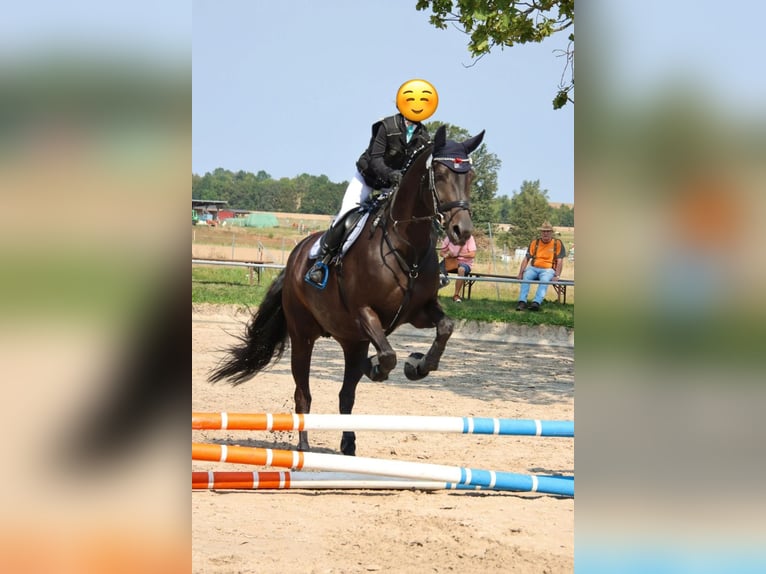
x: 417, y: 100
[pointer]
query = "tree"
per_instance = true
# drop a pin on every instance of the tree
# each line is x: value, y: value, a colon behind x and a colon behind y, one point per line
x: 321, y: 195
x: 529, y: 208
x: 503, y: 209
x: 491, y: 23
x: 484, y: 186
x: 563, y: 216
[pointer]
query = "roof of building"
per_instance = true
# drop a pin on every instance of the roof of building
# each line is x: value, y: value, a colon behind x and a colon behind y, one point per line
x: 200, y: 202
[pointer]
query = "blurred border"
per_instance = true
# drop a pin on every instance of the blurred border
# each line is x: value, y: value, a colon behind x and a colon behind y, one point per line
x: 95, y: 161
x: 670, y: 174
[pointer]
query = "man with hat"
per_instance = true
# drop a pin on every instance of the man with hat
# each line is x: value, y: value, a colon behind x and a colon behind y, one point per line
x: 542, y: 262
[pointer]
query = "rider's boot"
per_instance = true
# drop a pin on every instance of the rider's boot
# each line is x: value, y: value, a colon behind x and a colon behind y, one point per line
x: 328, y: 247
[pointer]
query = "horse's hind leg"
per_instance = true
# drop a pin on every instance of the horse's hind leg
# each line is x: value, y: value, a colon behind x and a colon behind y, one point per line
x: 417, y: 366
x: 355, y: 355
x: 300, y: 362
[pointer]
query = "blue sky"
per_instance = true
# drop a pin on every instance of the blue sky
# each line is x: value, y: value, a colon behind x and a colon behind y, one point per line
x: 292, y: 87
x: 162, y: 29
x: 649, y: 46
x: 267, y: 73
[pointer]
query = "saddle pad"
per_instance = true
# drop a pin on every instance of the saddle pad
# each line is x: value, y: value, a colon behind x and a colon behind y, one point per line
x: 350, y: 238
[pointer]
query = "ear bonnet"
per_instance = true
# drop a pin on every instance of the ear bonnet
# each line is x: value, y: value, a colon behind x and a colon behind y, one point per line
x: 455, y: 155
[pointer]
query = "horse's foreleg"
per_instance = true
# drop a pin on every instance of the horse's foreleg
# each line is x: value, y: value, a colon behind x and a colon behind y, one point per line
x: 417, y: 366
x: 378, y: 366
x: 300, y: 363
x: 355, y: 355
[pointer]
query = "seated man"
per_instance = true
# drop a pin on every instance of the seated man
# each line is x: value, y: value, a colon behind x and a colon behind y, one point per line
x: 547, y: 256
x: 457, y: 258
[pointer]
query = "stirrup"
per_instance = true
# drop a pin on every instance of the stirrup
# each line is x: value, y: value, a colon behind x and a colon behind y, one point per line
x: 318, y: 266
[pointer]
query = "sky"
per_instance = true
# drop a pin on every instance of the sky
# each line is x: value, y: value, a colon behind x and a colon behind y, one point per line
x: 265, y: 74
x: 40, y: 25
x: 293, y: 87
x: 693, y: 43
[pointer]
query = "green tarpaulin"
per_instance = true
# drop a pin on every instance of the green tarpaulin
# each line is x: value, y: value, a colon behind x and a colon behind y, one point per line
x: 255, y: 220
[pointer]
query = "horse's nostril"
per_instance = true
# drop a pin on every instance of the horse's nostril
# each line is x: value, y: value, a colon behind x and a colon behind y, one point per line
x: 461, y: 234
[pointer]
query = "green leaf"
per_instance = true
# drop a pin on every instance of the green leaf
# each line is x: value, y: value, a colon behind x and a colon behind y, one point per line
x: 560, y: 100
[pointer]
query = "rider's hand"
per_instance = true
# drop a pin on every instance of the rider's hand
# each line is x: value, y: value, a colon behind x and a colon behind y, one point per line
x: 395, y: 178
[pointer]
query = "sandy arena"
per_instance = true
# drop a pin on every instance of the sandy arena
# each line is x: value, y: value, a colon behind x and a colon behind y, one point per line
x: 486, y: 371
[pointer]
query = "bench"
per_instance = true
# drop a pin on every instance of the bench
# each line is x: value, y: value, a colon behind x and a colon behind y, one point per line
x: 254, y: 266
x: 560, y: 286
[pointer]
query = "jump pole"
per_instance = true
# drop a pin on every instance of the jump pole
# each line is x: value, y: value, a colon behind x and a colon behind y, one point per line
x: 283, y: 480
x: 301, y: 422
x: 297, y: 460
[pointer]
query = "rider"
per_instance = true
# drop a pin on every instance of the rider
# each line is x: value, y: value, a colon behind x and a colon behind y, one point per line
x: 393, y: 142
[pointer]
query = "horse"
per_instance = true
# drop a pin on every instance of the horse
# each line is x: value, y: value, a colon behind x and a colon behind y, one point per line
x: 387, y: 278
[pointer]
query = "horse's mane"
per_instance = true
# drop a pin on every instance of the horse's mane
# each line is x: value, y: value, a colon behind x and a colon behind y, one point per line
x: 427, y: 147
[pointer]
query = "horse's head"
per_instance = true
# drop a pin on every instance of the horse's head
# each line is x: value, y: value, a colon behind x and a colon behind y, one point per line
x: 451, y: 177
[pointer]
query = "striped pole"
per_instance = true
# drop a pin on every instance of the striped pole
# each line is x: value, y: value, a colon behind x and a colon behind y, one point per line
x: 293, y: 459
x: 312, y: 480
x: 305, y: 422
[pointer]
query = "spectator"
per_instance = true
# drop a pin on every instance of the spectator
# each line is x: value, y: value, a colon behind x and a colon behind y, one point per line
x: 457, y: 258
x: 547, y: 257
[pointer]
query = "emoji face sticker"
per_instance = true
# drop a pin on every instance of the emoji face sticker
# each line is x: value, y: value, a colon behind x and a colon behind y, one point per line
x: 417, y: 100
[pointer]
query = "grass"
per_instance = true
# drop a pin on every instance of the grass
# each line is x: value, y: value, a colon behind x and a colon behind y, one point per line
x: 490, y: 302
x: 494, y: 311
x: 231, y: 286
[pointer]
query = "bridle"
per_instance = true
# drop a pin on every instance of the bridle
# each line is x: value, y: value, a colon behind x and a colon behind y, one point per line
x: 439, y: 207
x: 412, y: 269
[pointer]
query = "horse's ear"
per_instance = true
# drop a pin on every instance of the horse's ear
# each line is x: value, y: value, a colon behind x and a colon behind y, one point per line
x: 440, y: 139
x: 474, y: 142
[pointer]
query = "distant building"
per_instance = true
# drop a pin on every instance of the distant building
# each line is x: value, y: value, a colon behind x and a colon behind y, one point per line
x: 207, y: 210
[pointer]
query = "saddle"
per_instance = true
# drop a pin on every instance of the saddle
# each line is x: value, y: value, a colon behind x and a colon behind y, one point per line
x: 353, y: 222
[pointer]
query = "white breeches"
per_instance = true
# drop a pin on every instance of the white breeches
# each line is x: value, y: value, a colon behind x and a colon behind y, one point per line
x: 356, y: 192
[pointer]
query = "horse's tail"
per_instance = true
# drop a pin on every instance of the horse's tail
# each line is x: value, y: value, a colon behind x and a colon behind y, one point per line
x: 264, y: 341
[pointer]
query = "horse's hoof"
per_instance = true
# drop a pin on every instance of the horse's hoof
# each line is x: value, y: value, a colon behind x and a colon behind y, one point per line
x: 348, y: 446
x: 412, y: 366
x: 373, y: 371
x: 378, y: 375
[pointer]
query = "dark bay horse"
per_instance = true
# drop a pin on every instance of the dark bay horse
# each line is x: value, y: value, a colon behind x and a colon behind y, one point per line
x: 389, y: 277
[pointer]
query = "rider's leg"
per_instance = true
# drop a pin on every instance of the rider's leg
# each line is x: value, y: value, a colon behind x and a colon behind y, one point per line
x: 328, y: 247
x: 356, y: 192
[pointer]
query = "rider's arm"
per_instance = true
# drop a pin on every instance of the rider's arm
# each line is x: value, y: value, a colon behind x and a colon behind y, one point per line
x: 378, y: 153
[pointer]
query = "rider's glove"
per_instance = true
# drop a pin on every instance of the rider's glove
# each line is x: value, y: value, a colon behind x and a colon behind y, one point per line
x: 395, y: 178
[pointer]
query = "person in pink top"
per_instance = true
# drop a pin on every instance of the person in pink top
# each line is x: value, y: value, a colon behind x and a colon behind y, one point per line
x: 457, y: 258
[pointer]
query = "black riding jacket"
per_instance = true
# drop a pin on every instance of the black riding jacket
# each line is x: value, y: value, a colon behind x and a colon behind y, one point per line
x: 389, y: 150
